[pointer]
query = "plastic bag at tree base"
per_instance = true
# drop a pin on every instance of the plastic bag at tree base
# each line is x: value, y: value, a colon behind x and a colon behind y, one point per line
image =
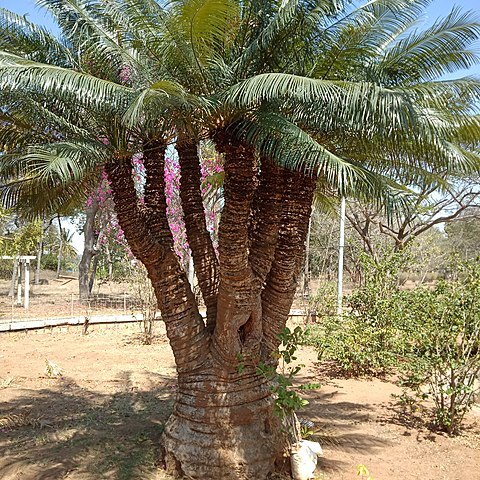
x: 304, y: 459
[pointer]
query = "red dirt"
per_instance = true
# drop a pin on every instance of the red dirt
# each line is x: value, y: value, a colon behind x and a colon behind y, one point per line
x: 102, y: 419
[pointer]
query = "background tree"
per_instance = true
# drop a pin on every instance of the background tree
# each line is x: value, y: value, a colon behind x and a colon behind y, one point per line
x: 464, y: 237
x: 431, y: 207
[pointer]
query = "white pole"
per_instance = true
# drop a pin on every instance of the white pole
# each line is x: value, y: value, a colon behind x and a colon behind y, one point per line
x: 19, y: 283
x: 306, y: 270
x: 341, y: 247
x: 27, y: 284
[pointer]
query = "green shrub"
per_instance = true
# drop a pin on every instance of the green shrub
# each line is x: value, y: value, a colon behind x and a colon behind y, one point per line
x: 433, y: 336
x: 324, y: 302
x: 446, y: 356
x: 355, y: 346
x: 365, y: 339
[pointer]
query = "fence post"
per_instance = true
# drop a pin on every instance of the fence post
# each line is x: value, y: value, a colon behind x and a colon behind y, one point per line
x: 71, y: 305
x: 124, y: 303
x: 19, y: 283
x: 26, y: 268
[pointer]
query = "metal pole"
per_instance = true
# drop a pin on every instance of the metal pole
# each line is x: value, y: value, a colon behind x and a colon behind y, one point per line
x: 19, y: 283
x: 306, y: 270
x: 341, y: 247
x: 26, y: 301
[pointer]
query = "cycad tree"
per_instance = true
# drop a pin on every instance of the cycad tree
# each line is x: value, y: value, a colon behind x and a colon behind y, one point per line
x: 296, y: 97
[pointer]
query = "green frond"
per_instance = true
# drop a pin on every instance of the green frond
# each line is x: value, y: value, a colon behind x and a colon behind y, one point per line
x: 21, y: 37
x: 348, y: 45
x: 61, y: 161
x: 49, y: 178
x: 23, y: 196
x: 459, y: 96
x: 275, y: 137
x: 261, y: 46
x: 357, y: 104
x: 431, y: 53
x: 104, y: 43
x: 18, y: 74
x: 278, y: 86
x: 206, y: 23
x: 160, y: 103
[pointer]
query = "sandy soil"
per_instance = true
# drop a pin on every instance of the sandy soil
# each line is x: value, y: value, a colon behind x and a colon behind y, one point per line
x: 103, y: 417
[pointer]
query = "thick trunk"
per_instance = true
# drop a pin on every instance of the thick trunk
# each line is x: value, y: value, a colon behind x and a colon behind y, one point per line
x: 146, y: 229
x: 222, y: 427
x: 88, y: 250
x: 238, y: 329
x: 281, y: 282
x: 199, y: 240
x: 93, y: 271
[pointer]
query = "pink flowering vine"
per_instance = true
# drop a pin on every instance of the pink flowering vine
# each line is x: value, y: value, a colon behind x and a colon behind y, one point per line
x: 109, y: 230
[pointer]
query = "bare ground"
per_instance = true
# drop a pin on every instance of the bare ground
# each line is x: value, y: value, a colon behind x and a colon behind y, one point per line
x: 102, y: 419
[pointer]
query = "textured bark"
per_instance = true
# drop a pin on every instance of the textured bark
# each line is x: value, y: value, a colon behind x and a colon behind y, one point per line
x: 238, y: 328
x: 281, y: 282
x: 266, y: 216
x: 88, y: 250
x: 150, y: 239
x: 199, y: 239
x: 222, y: 427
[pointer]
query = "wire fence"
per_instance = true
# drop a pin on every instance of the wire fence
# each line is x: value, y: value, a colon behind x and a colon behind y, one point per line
x: 68, y: 306
x: 47, y: 302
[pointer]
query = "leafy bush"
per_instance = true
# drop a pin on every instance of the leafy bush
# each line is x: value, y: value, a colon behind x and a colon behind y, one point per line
x: 432, y: 335
x: 356, y: 347
x: 324, y: 302
x: 366, y: 339
x: 446, y: 356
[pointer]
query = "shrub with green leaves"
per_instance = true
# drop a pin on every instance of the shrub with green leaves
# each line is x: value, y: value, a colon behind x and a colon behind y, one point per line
x: 324, y: 302
x: 366, y: 339
x: 446, y: 356
x: 282, y: 375
x: 433, y: 336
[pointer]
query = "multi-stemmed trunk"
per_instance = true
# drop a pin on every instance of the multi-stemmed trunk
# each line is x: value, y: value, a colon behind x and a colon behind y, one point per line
x: 222, y: 425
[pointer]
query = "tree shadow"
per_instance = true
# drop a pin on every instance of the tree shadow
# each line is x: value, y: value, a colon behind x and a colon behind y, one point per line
x: 76, y: 433
x: 338, y: 429
x: 417, y: 419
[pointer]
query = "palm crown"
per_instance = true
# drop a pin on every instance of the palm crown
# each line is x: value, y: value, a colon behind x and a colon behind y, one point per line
x: 309, y: 84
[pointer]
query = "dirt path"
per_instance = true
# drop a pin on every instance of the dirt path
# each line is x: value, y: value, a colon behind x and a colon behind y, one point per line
x: 103, y: 418
x: 360, y: 423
